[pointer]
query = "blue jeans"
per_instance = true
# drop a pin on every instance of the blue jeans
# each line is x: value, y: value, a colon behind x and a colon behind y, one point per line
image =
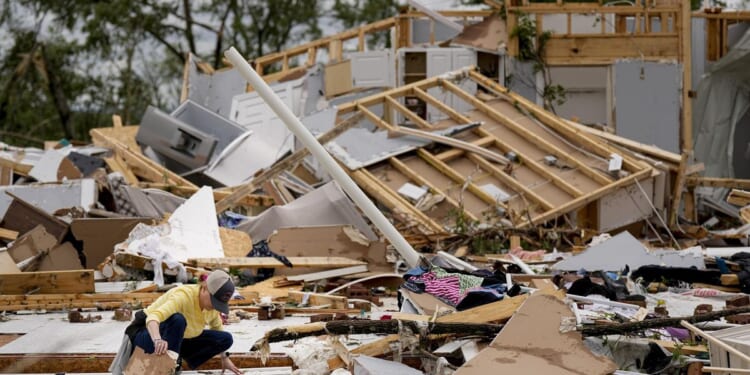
x: 195, y: 351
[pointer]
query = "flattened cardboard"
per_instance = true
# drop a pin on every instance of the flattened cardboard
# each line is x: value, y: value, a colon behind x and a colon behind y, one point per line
x: 141, y: 363
x: 330, y: 241
x: 7, y: 264
x: 61, y: 258
x: 31, y: 243
x: 23, y: 217
x: 531, y: 343
x: 100, y: 236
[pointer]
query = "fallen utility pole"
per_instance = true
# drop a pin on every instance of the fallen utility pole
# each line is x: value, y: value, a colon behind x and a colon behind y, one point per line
x: 411, y: 257
x: 351, y: 327
x: 616, y: 329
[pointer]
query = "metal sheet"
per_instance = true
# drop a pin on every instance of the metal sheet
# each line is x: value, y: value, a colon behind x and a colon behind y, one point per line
x: 214, y: 91
x: 647, y: 102
x: 52, y: 197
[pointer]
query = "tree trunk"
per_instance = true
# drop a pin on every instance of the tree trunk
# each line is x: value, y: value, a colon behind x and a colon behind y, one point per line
x: 615, y: 329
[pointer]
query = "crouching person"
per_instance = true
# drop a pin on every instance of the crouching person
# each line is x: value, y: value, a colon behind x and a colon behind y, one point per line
x: 176, y: 322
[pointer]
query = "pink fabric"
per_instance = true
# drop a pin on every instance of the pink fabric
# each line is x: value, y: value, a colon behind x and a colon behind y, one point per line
x: 447, y: 288
x: 527, y: 255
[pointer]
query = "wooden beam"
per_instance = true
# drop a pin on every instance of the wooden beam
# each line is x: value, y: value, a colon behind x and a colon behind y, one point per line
x: 19, y: 168
x: 466, y: 146
x: 529, y: 135
x: 459, y: 179
x: 495, y: 312
x: 317, y: 299
x: 512, y: 182
x: 249, y: 200
x: 456, y: 152
x: 408, y: 113
x: 270, y: 262
x: 395, y: 92
x: 99, y: 363
x: 414, y: 176
x: 282, y: 165
x: 588, y: 198
x: 586, y: 141
x: 141, y: 165
x: 394, y: 202
x: 731, y: 183
x: 116, y: 164
x: 379, y: 122
x: 328, y: 274
x: 679, y: 185
x: 48, y: 282
x: 8, y: 234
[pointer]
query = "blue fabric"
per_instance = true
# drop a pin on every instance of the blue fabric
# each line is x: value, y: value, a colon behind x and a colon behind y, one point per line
x: 231, y: 220
x: 721, y: 264
x: 414, y: 272
x: 194, y: 351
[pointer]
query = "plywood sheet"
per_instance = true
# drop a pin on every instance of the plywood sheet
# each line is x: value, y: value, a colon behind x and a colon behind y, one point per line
x: 519, y: 349
x: 330, y: 241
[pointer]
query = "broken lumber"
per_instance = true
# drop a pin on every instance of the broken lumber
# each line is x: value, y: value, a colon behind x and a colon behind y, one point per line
x: 715, y: 341
x: 617, y: 329
x: 8, y: 234
x: 249, y: 200
x: 315, y: 276
x: 353, y: 327
x: 317, y: 299
x: 81, y: 281
x: 495, y: 312
x: 280, y: 166
x: 126, y: 259
x: 739, y: 197
x: 466, y: 146
x: 270, y: 262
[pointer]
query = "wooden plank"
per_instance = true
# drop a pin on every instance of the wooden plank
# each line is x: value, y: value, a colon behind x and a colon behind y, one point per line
x: 730, y: 183
x: 456, y: 152
x: 317, y: 299
x: 422, y: 123
x: 379, y: 122
x: 459, y: 179
x: 609, y: 48
x: 281, y: 165
x: 393, y: 201
x: 679, y: 185
x: 48, y: 282
x: 687, y: 73
x: 739, y: 197
x: 8, y: 234
x: 527, y: 134
x: 512, y: 182
x: 248, y: 200
x: 140, y: 164
x: 315, y: 276
x: 116, y: 165
x: 557, y: 123
x: 495, y: 312
x: 588, y: 198
x: 270, y: 262
x: 19, y: 168
x: 466, y: 146
x: 660, y: 154
x: 6, y: 176
x: 414, y: 176
x: 82, y: 363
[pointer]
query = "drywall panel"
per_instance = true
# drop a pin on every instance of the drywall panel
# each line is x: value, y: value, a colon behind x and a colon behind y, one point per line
x: 625, y: 206
x: 372, y: 69
x: 214, y: 91
x: 52, y: 197
x: 585, y: 93
x: 647, y: 102
x: 698, y: 49
x: 439, y: 61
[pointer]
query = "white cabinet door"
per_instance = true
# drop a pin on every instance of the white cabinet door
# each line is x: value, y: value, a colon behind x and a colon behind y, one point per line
x: 372, y: 69
x: 439, y: 61
x: 463, y: 57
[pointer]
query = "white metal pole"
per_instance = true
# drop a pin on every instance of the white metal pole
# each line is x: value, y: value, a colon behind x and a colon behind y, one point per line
x: 411, y: 257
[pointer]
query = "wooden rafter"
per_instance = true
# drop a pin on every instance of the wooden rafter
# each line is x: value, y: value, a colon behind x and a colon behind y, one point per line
x: 284, y: 164
x: 512, y: 182
x: 414, y: 176
x: 529, y: 135
x: 586, y: 140
x: 408, y: 113
x: 459, y: 179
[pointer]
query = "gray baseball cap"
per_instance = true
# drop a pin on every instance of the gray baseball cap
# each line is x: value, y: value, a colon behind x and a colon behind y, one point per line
x: 221, y: 288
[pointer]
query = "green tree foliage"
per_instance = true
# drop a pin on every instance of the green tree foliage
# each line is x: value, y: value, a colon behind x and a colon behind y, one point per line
x: 353, y: 13
x: 67, y: 66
